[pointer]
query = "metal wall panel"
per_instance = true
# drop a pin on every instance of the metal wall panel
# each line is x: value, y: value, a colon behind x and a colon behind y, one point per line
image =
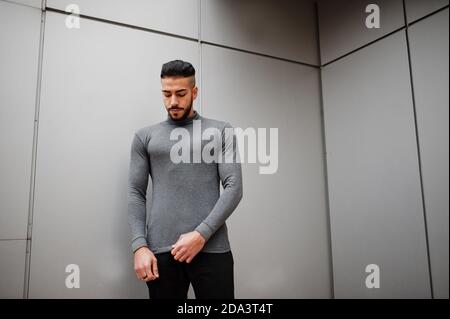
x: 342, y: 25
x: 12, y: 268
x: 174, y: 16
x: 373, y: 174
x: 19, y: 41
x: 429, y: 61
x: 31, y: 3
x: 285, y: 29
x: 279, y: 233
x: 416, y: 9
x: 100, y: 84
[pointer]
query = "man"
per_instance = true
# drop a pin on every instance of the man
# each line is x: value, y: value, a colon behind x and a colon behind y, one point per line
x: 186, y: 239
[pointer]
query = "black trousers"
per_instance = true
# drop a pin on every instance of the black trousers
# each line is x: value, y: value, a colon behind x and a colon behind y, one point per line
x: 211, y: 275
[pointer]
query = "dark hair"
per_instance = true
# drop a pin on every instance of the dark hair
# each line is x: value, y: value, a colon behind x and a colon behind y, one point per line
x: 178, y: 68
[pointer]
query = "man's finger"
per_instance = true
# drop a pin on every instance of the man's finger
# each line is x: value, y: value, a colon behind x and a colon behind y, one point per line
x: 155, y: 267
x: 148, y: 272
x: 140, y: 273
x: 175, y: 249
x: 179, y: 254
x: 184, y: 257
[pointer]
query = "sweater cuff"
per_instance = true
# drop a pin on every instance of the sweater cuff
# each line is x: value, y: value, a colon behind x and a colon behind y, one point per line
x: 138, y: 243
x: 205, y: 230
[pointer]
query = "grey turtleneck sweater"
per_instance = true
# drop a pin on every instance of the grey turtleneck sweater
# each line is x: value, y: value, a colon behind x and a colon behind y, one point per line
x: 185, y: 196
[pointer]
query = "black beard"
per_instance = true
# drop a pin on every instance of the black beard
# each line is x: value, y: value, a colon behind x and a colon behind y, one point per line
x: 186, y: 113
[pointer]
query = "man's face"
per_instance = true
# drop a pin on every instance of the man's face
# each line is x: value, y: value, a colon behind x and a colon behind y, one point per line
x: 178, y: 95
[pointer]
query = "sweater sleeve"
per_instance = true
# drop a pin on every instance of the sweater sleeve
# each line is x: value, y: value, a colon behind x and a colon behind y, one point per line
x: 137, y: 189
x: 230, y: 173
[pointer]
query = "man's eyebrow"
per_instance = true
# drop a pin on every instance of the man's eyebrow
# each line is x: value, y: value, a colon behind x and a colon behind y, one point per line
x: 175, y: 91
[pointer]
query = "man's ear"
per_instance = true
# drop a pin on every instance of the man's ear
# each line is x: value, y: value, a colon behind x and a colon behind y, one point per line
x: 194, y: 92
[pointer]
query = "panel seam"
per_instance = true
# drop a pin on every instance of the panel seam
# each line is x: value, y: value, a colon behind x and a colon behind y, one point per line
x: 418, y: 149
x: 325, y: 164
x: 33, y: 160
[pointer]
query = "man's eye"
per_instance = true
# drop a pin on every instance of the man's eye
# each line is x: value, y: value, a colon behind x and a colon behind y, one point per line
x: 181, y: 95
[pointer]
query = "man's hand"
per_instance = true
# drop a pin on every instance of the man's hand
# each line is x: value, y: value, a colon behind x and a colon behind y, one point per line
x: 145, y: 264
x: 187, y: 246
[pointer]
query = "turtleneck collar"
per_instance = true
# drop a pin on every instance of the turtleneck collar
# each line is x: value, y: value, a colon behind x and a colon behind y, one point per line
x: 185, y: 121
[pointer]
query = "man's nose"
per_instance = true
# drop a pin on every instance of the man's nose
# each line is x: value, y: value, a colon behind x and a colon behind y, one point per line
x: 173, y: 101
